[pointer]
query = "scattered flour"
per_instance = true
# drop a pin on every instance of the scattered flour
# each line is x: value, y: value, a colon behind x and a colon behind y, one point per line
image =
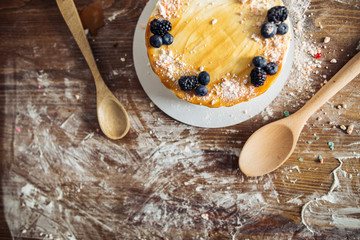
x: 340, y: 216
x: 114, y: 15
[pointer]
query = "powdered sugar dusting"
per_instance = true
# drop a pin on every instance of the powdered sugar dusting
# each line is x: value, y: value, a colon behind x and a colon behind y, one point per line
x: 169, y: 64
x: 231, y: 89
x: 275, y: 48
x: 168, y: 8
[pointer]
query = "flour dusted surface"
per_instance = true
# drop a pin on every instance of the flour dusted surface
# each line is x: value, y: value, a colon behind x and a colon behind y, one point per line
x: 65, y: 180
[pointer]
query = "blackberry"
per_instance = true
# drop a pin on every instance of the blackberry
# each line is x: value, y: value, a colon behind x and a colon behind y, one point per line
x: 156, y: 41
x: 188, y: 83
x: 259, y: 61
x: 271, y: 68
x: 201, y: 90
x: 277, y: 14
x: 268, y: 30
x: 282, y: 28
x: 160, y: 26
x: 167, y: 39
x: 204, y: 78
x: 258, y: 77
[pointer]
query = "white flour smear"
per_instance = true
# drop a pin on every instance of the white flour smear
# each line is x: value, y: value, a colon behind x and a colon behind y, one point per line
x: 354, y: 3
x: 73, y: 187
x: 59, y: 186
x: 339, y: 216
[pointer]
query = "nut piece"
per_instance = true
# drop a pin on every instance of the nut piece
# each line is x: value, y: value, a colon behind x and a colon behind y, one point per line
x: 343, y: 127
x: 326, y: 39
x: 350, y: 129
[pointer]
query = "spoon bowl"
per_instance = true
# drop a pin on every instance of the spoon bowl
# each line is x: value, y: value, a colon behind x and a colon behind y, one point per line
x: 112, y: 127
x: 270, y: 146
x: 258, y: 155
x: 112, y: 116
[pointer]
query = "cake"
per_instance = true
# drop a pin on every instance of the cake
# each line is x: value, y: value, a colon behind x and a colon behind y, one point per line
x: 217, y: 53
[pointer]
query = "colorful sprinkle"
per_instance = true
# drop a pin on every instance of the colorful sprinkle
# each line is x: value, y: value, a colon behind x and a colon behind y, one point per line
x: 300, y: 159
x: 317, y: 55
x: 331, y: 145
x: 286, y: 113
x: 320, y: 157
x: 18, y: 129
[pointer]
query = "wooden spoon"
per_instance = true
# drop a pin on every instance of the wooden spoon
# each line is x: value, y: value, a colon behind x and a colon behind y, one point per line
x: 270, y: 146
x: 112, y: 117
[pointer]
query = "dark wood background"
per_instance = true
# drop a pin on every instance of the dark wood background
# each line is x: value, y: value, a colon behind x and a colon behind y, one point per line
x: 35, y: 39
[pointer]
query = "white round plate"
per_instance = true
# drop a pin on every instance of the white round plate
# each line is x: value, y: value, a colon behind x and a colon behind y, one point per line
x: 193, y: 114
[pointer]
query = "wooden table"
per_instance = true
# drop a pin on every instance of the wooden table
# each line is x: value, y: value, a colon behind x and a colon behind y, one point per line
x: 62, y: 179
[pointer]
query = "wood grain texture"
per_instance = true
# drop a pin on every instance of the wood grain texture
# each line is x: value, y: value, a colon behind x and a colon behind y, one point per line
x: 60, y: 176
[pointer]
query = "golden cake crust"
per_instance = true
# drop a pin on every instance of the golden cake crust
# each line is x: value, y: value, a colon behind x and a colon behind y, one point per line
x: 220, y: 37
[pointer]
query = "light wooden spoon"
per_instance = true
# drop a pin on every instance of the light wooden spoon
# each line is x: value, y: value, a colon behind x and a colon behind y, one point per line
x: 270, y: 146
x: 112, y: 117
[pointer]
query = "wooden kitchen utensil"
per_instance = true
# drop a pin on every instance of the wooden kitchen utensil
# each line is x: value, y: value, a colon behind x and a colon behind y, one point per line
x: 112, y: 116
x: 270, y: 146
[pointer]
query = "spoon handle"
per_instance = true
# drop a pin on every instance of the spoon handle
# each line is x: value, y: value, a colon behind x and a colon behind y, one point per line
x: 345, y: 75
x: 72, y: 19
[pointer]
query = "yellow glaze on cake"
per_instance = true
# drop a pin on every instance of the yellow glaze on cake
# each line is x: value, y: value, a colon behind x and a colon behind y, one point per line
x: 220, y: 37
